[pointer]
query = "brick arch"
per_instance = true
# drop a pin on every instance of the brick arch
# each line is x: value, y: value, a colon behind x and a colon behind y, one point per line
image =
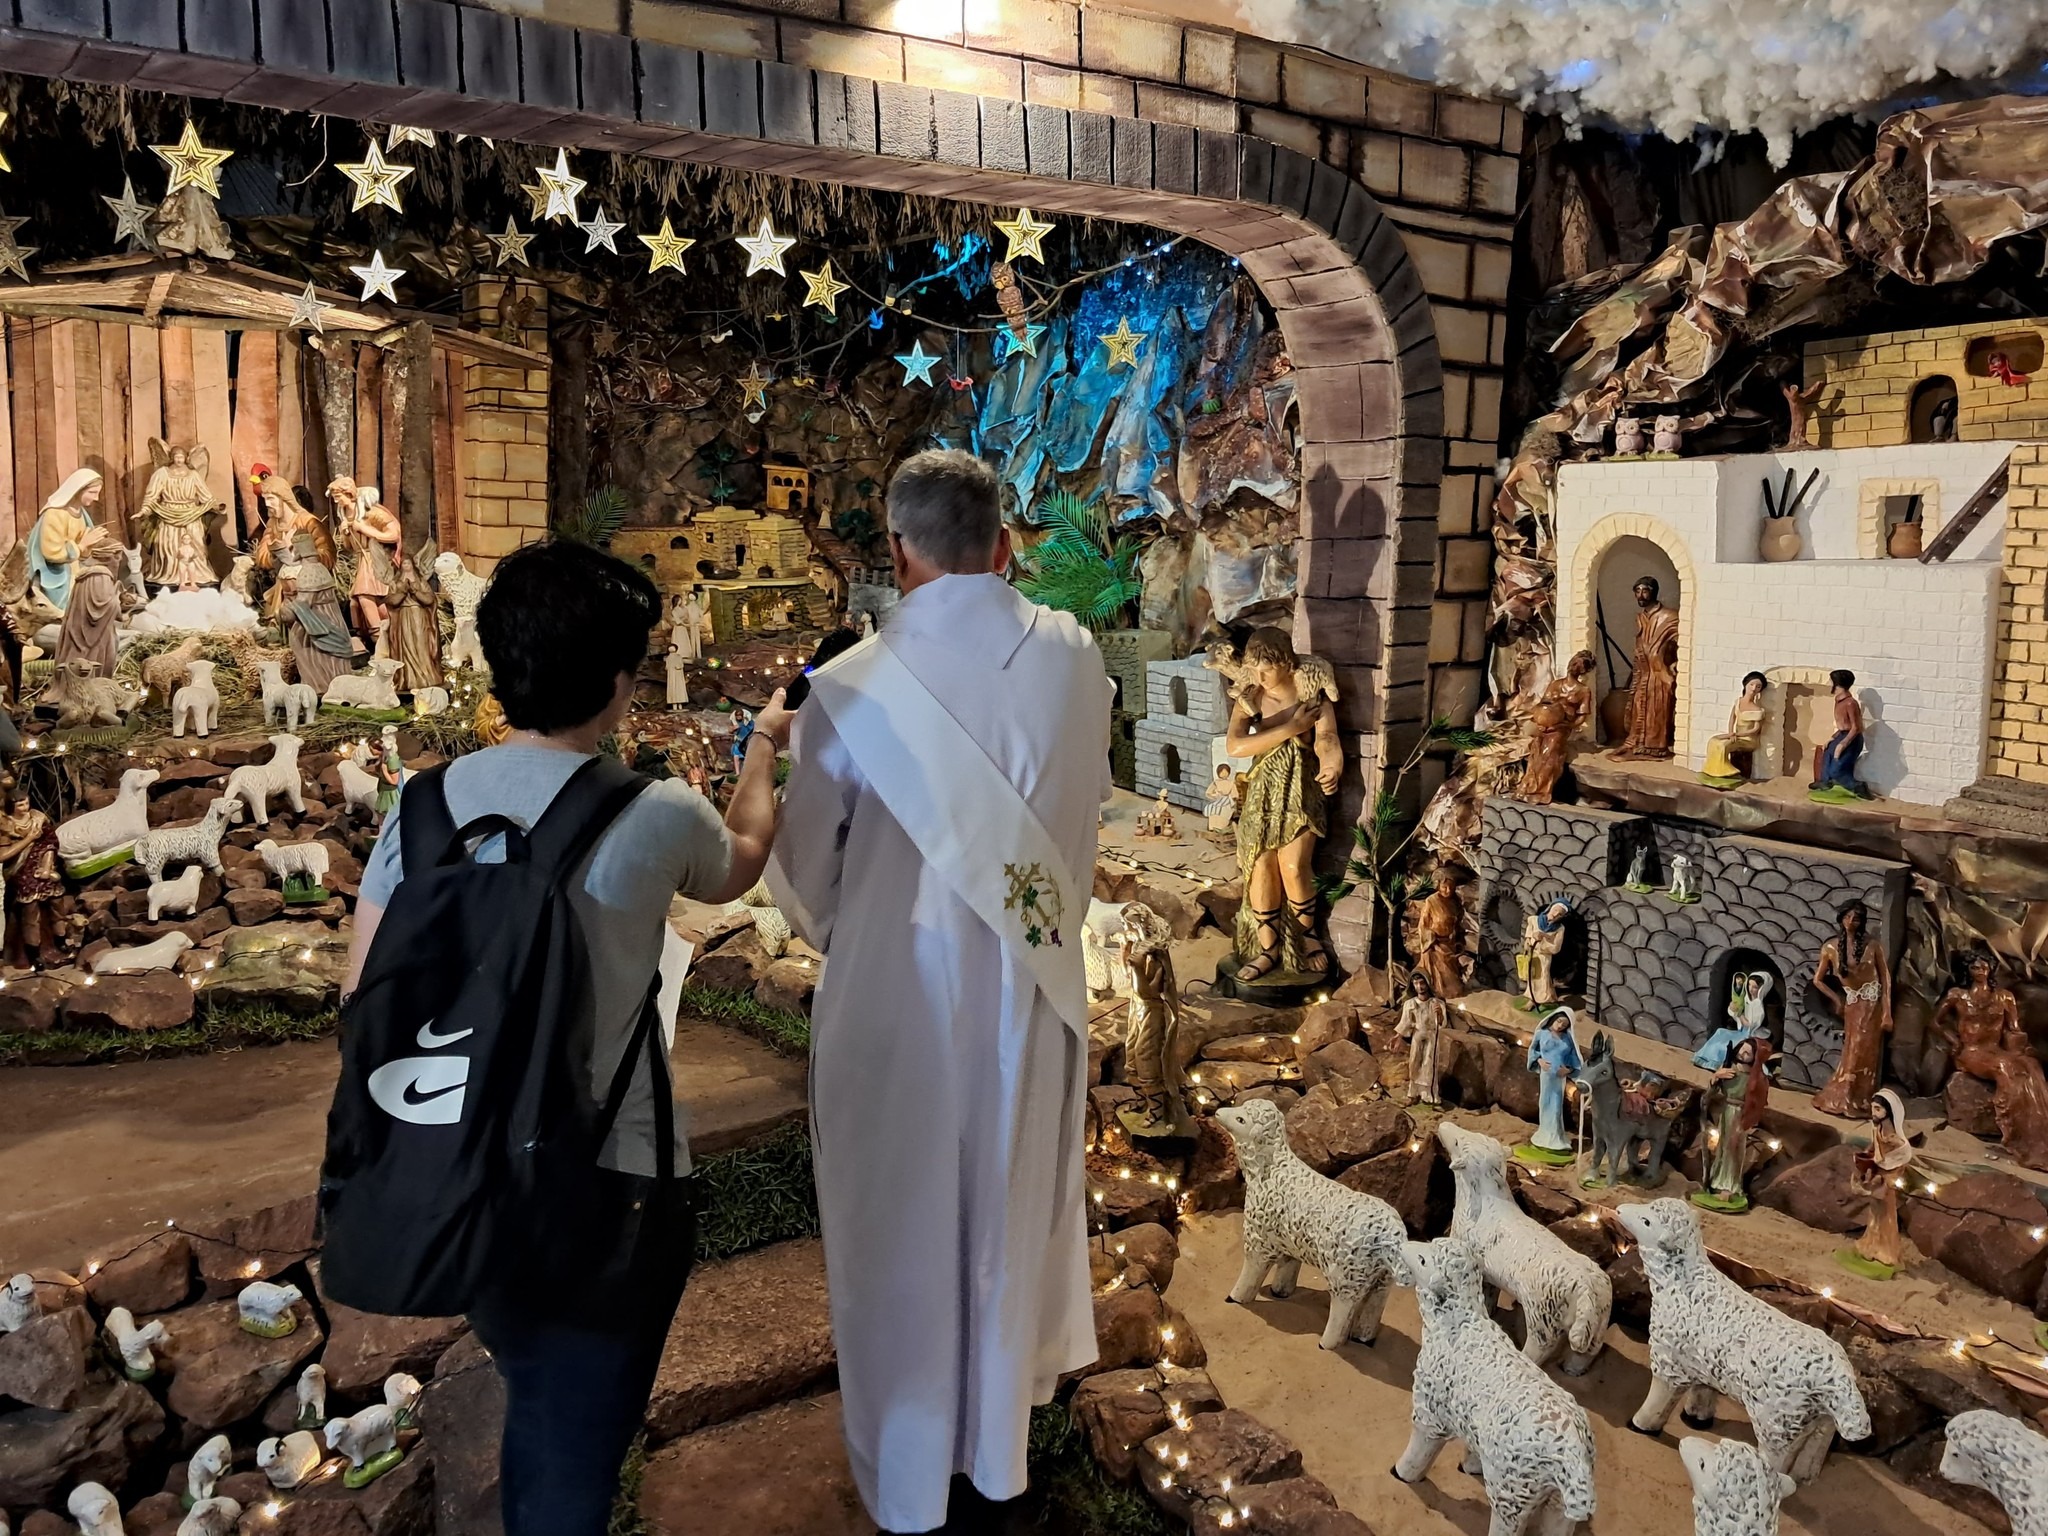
x: 1583, y: 618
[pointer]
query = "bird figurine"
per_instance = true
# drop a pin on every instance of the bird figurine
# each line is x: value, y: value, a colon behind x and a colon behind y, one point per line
x: 2000, y: 367
x: 134, y: 1344
x: 1009, y: 296
x: 209, y: 1464
x: 18, y: 1304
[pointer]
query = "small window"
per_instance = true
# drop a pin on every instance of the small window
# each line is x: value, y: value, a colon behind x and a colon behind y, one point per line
x: 1169, y: 763
x: 680, y: 541
x: 1931, y: 418
x: 2022, y: 351
x: 1178, y: 694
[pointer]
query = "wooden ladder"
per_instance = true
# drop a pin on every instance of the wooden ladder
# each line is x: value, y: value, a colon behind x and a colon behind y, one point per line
x: 1957, y: 528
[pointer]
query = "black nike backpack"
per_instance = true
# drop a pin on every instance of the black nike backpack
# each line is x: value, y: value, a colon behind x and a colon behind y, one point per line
x: 463, y: 1140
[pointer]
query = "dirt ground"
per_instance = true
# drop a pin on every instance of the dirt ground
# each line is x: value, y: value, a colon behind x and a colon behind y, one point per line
x: 1347, y: 1410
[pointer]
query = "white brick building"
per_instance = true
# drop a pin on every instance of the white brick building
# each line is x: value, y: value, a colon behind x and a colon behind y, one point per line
x: 1180, y: 739
x: 1918, y: 636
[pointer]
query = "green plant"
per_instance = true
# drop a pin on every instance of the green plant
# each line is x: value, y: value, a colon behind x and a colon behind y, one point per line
x: 789, y: 1033
x: 215, y: 1027
x: 602, y: 514
x: 1080, y: 1497
x: 1082, y: 565
x: 756, y: 1195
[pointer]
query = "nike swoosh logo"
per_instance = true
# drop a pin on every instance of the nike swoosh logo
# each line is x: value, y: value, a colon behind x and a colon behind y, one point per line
x: 430, y: 1041
x: 421, y: 1090
x: 413, y: 1098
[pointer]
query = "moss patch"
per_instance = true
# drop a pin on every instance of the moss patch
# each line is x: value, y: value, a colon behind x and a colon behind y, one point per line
x: 215, y: 1027
x: 1080, y: 1498
x: 789, y: 1033
x: 757, y: 1195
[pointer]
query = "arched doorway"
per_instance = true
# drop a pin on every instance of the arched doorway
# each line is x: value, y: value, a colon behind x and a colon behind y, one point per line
x: 1611, y: 556
x: 1768, y: 987
x: 1625, y: 562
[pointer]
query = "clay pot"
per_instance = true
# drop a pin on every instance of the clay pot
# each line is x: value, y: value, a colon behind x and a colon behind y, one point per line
x: 1903, y: 542
x: 1614, y: 717
x: 1780, y: 539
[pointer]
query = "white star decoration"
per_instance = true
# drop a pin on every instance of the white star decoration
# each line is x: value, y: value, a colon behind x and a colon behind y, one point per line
x: 764, y: 249
x: 13, y: 257
x: 559, y: 190
x: 511, y: 245
x: 378, y: 278
x: 131, y: 217
x: 308, y: 312
x: 599, y: 229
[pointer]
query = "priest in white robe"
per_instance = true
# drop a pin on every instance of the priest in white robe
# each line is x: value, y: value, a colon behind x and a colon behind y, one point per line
x: 938, y: 845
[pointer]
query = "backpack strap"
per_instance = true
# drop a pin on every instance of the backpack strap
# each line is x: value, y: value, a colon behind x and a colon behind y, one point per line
x: 581, y: 813
x: 646, y: 1040
x: 428, y: 826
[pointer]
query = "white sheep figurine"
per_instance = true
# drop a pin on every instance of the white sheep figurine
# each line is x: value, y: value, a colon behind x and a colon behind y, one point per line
x: 312, y: 1392
x: 135, y: 1345
x: 1565, y: 1297
x: 254, y: 783
x: 211, y: 1517
x: 289, y: 1460
x: 770, y: 926
x: 19, y: 1304
x: 429, y: 700
x: 2005, y: 1458
x: 1734, y: 1492
x: 180, y: 896
x: 1525, y: 1437
x: 96, y: 1510
x: 1292, y: 1214
x: 195, y: 843
x: 305, y: 863
x: 209, y: 1464
x: 402, y: 1397
x: 236, y: 582
x: 462, y: 587
x: 157, y: 955
x: 265, y: 1308
x: 111, y: 827
x: 197, y: 702
x: 374, y: 689
x: 1708, y: 1335
x: 359, y: 786
x: 294, y: 704
x: 464, y: 649
x: 365, y: 1436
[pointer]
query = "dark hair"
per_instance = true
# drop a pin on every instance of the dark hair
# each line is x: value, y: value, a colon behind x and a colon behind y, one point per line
x: 1755, y: 677
x: 1862, y: 912
x: 1421, y: 979
x: 558, y: 625
x: 1647, y: 581
x: 1270, y: 645
x: 1842, y: 677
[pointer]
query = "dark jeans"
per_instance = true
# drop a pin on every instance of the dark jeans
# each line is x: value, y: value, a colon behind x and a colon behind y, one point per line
x: 1838, y: 762
x: 577, y: 1379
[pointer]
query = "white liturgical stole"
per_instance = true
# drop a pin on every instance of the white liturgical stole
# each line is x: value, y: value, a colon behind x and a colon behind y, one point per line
x: 965, y: 817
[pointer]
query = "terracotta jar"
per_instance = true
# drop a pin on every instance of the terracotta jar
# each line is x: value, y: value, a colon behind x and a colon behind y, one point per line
x: 1903, y: 542
x: 1780, y: 539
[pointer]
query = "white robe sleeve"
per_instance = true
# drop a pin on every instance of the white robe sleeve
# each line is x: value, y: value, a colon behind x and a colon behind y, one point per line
x: 810, y: 843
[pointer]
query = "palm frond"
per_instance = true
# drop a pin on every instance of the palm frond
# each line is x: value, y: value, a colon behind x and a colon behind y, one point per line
x: 1081, y: 565
x: 597, y: 520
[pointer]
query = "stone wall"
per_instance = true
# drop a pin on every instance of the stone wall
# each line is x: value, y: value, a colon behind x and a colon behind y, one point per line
x: 2019, y: 705
x: 501, y: 449
x: 1655, y: 967
x: 1871, y: 381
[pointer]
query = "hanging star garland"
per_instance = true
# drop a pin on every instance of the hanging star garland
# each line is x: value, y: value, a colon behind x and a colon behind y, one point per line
x: 823, y: 290
x: 1026, y: 234
x: 376, y: 179
x: 192, y: 163
x: 511, y: 245
x: 308, y: 312
x: 1123, y: 343
x: 397, y: 136
x: 131, y: 217
x: 666, y: 248
x: 764, y: 249
x: 1009, y: 343
x: 13, y: 257
x: 600, y: 230
x: 4, y: 166
x: 560, y: 188
x: 754, y: 385
x: 378, y: 278
x: 917, y: 363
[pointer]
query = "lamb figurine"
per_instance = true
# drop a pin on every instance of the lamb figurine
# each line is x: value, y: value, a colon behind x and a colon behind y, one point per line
x: 463, y: 588
x: 359, y: 787
x: 209, y: 1464
x: 255, y: 783
x: 19, y: 1304
x: 369, y: 1440
x: 770, y: 926
x: 1709, y: 1335
x: 83, y: 697
x: 303, y: 864
x: 111, y: 827
x: 162, y: 673
x: 134, y: 1344
x: 464, y: 649
x: 179, y: 896
x: 312, y: 1391
x: 211, y: 1517
x: 1525, y: 1437
x: 1733, y: 1492
x: 402, y: 1397
x: 2005, y: 1458
x: 290, y: 1460
x: 429, y: 700
x: 157, y: 955
x: 198, y: 702
x: 1565, y: 1297
x: 375, y: 689
x: 1292, y: 1214
x: 97, y: 1512
x: 266, y: 1308
x: 294, y: 704
x: 195, y: 843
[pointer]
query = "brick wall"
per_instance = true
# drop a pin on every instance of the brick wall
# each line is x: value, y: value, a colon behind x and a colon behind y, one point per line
x: 2019, y: 704
x: 501, y: 459
x: 1871, y: 379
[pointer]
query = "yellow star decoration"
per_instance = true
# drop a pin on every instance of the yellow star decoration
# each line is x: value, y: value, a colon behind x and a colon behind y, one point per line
x: 1123, y: 343
x: 754, y: 385
x: 666, y: 248
x: 192, y: 163
x: 511, y: 245
x: 377, y: 180
x: 1027, y: 235
x: 4, y: 166
x: 559, y: 190
x: 397, y: 136
x: 764, y: 249
x: 824, y: 290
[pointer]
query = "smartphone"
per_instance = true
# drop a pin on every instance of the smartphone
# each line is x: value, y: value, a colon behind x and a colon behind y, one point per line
x: 838, y: 643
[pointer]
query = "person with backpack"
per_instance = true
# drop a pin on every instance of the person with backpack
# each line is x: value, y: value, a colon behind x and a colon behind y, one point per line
x: 504, y: 1140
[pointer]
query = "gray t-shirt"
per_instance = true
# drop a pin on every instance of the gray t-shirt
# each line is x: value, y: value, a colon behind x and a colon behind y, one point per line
x: 668, y: 840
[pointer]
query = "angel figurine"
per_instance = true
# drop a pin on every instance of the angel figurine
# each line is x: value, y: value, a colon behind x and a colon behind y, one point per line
x: 175, y: 507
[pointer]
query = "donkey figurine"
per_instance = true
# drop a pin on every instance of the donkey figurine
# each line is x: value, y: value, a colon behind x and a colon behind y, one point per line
x: 1628, y: 1133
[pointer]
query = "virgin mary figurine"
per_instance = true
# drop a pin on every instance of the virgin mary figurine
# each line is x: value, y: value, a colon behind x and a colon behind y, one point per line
x: 1553, y: 1057
x: 1745, y: 1020
x: 63, y: 531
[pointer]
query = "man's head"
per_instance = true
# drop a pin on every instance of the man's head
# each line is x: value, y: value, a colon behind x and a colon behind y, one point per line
x: 945, y: 518
x: 1646, y: 591
x: 564, y: 628
x: 1842, y: 680
x: 1269, y: 652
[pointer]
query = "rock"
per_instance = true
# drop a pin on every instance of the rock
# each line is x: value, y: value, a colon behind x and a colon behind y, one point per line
x: 255, y: 1246
x: 1294, y: 1506
x: 1119, y: 1411
x: 1150, y: 1245
x: 1131, y: 1327
x: 729, y: 1355
x: 140, y: 1004
x: 786, y: 986
x: 781, y: 1472
x: 1322, y: 1024
x: 1983, y: 1227
x: 344, y: 869
x: 1179, y: 913
x: 1214, y: 1181
x: 1367, y: 987
x: 1631, y: 1286
x: 1818, y: 1193
x: 57, y: 1289
x: 43, y: 1450
x: 1352, y: 1072
x: 1510, y: 1085
x: 43, y: 1363
x: 1273, y: 1049
x: 1415, y: 1181
x: 1591, y: 1238
x: 1274, y: 1093
x: 198, y: 928
x: 1126, y: 1200
x: 29, y: 1006
x: 1223, y: 1449
x: 254, y: 903
x: 154, y: 1274
x: 1896, y: 1415
x: 1545, y: 1204
x: 158, y: 1515
x: 1947, y: 1382
x: 1329, y: 1135
x: 43, y: 1522
x: 1967, y: 1102
x: 1219, y: 903
x: 219, y: 1374
x: 1227, y: 1079
x: 1105, y: 1130
x: 234, y: 858
x: 735, y: 966
x: 400, y: 1503
x: 298, y: 966
x: 364, y: 1348
x: 462, y: 1412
